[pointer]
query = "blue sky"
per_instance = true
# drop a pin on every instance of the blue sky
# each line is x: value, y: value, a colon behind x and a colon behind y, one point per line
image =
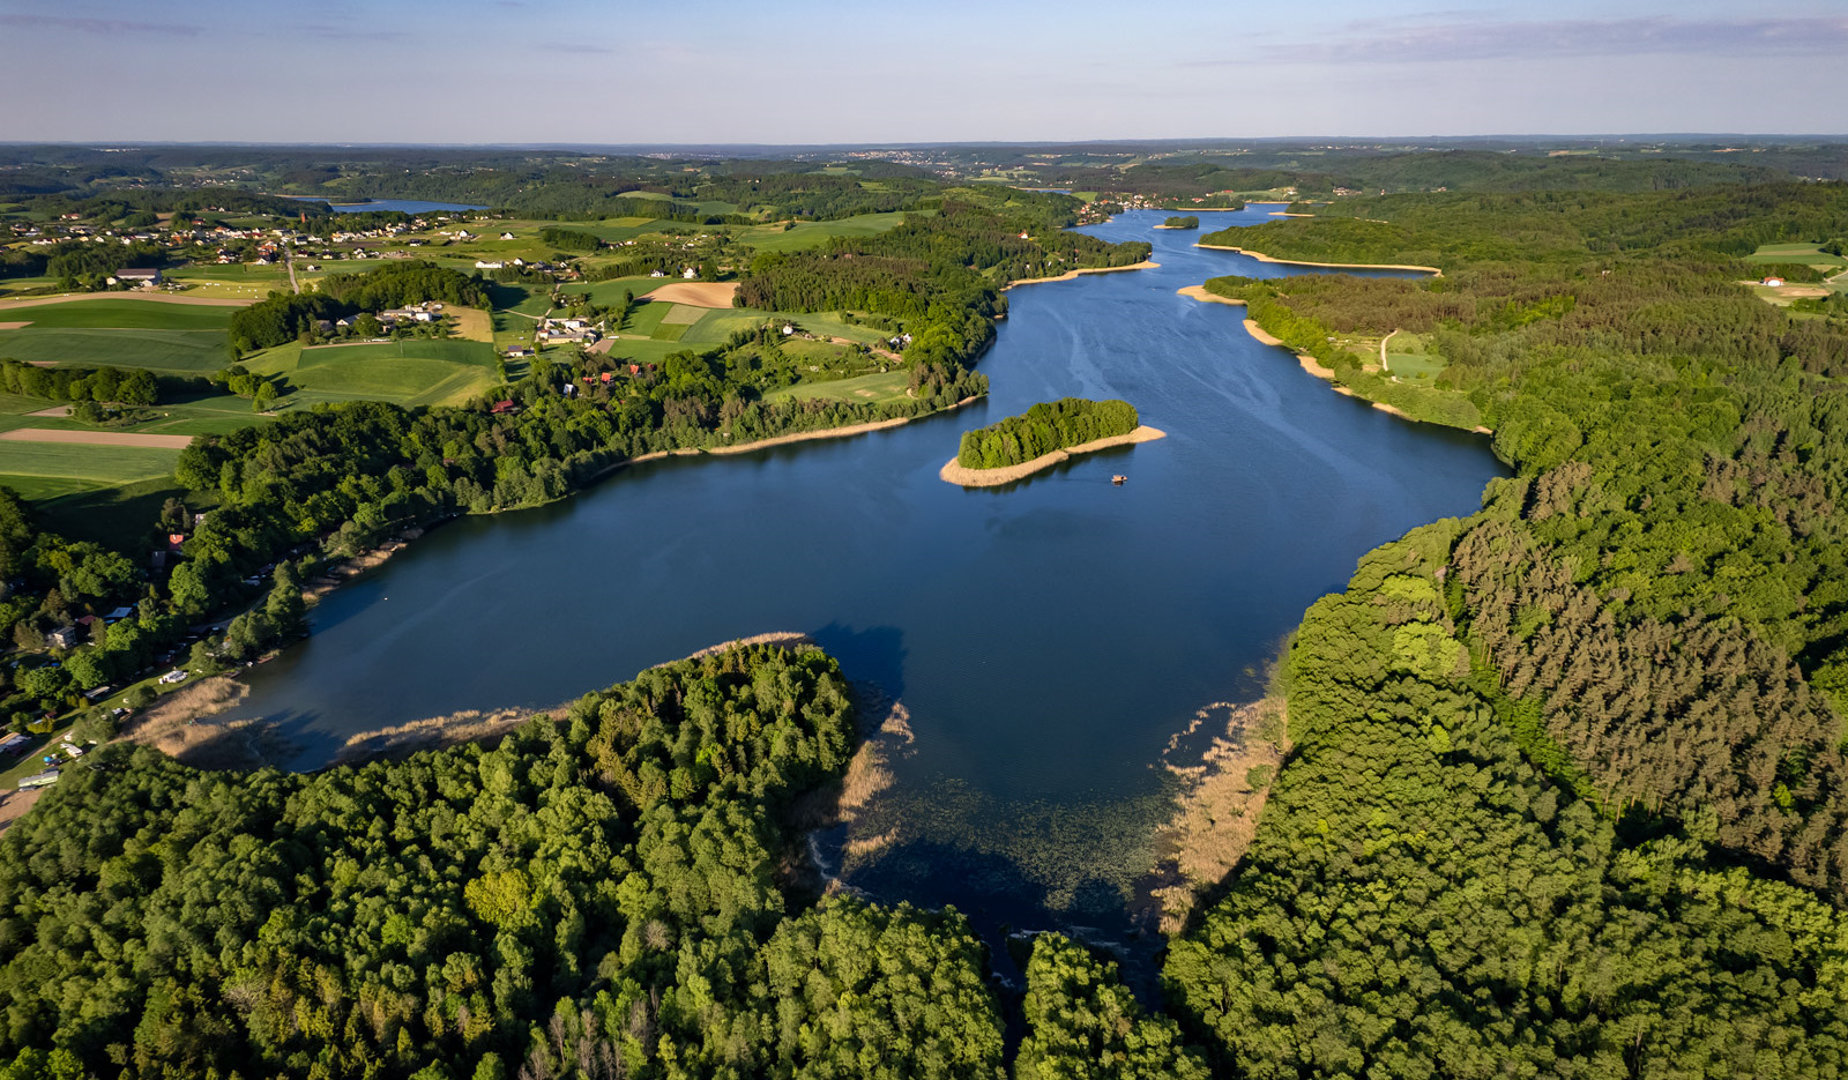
x: 784, y: 71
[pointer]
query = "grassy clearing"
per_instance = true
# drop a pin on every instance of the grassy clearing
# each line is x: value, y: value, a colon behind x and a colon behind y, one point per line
x: 122, y: 314
x: 190, y: 352
x: 609, y: 293
x: 48, y: 469
x: 1800, y: 254
x: 870, y: 389
x: 809, y: 234
x: 1408, y: 358
x: 667, y: 331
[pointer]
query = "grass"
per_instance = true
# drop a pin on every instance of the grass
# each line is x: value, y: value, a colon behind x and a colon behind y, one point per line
x: 191, y: 352
x: 48, y: 470
x: 441, y: 372
x: 1800, y: 254
x: 1408, y: 358
x: 868, y: 389
x: 809, y: 234
x: 121, y: 314
x: 117, y: 516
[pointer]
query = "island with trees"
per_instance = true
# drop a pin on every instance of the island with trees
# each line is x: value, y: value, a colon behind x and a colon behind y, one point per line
x: 1180, y: 221
x: 1043, y: 436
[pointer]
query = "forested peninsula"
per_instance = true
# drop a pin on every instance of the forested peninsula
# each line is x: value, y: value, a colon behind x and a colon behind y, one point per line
x: 1601, y: 720
x: 1045, y: 435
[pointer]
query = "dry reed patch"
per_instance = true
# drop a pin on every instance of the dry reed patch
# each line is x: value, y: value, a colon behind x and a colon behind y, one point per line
x: 1216, y: 812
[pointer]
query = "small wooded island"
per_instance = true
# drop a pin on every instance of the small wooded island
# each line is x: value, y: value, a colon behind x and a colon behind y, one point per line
x: 1180, y: 222
x: 1041, y: 437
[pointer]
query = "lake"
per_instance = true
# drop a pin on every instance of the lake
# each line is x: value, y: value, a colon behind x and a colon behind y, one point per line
x: 1047, y: 638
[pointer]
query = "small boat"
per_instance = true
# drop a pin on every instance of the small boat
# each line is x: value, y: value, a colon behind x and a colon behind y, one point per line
x: 1118, y: 479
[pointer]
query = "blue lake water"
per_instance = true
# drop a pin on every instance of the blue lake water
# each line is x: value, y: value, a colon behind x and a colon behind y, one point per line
x: 1047, y: 638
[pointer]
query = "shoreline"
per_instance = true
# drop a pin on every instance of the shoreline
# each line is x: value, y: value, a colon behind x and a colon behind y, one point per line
x: 953, y: 473
x: 1071, y: 275
x: 1310, y: 364
x: 1261, y: 257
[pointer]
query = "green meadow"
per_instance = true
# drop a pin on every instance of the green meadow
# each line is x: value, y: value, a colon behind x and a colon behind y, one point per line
x: 442, y: 372
x: 189, y: 352
x: 808, y: 234
x: 113, y: 313
x: 1799, y: 254
x: 872, y: 389
x: 1408, y: 357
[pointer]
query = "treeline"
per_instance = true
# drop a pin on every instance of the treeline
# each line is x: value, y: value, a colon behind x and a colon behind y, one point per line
x: 1602, y: 719
x: 357, y: 474
x: 126, y: 386
x: 569, y: 239
x: 597, y: 896
x: 1043, y: 428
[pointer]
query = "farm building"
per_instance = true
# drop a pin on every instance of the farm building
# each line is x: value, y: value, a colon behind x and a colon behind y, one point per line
x: 144, y: 278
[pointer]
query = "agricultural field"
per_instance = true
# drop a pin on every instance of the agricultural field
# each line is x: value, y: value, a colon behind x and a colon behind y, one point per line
x: 809, y: 234
x: 241, y: 281
x: 1797, y: 254
x: 190, y: 352
x: 108, y: 312
x: 442, y: 372
x: 874, y: 389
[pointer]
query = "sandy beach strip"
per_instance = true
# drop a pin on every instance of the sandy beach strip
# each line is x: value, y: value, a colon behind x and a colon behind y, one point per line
x: 161, y: 298
x: 807, y: 436
x: 1309, y: 363
x: 956, y: 474
x: 1071, y: 274
x: 1261, y: 257
x: 99, y: 438
x: 18, y: 324
x: 1286, y: 213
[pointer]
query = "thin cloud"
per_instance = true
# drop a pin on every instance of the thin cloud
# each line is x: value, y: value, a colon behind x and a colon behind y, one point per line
x: 108, y: 27
x: 1424, y: 41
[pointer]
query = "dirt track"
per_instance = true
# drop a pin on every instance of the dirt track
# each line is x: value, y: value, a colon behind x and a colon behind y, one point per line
x: 158, y: 298
x: 99, y: 438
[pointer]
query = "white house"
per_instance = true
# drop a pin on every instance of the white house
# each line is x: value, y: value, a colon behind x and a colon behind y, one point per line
x: 487, y: 264
x: 689, y: 273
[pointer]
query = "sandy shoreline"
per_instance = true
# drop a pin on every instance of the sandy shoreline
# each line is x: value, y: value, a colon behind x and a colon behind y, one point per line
x: 1307, y: 362
x: 1261, y: 257
x: 1072, y: 274
x: 473, y: 725
x: 956, y: 474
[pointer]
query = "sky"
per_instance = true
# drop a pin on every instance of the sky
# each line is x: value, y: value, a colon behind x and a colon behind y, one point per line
x: 828, y: 71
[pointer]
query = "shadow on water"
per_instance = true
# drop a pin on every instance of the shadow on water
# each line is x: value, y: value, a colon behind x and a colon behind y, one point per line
x: 875, y: 655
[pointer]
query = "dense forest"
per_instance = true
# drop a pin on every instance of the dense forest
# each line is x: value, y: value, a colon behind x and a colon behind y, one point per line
x: 1568, y: 793
x: 1043, y: 428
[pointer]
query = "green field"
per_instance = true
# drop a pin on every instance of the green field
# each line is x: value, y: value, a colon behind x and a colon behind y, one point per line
x: 405, y: 373
x: 190, y: 352
x: 1799, y: 254
x: 868, y: 389
x: 808, y: 234
x: 1409, y: 358
x: 121, y: 313
x: 718, y: 324
x: 42, y: 470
